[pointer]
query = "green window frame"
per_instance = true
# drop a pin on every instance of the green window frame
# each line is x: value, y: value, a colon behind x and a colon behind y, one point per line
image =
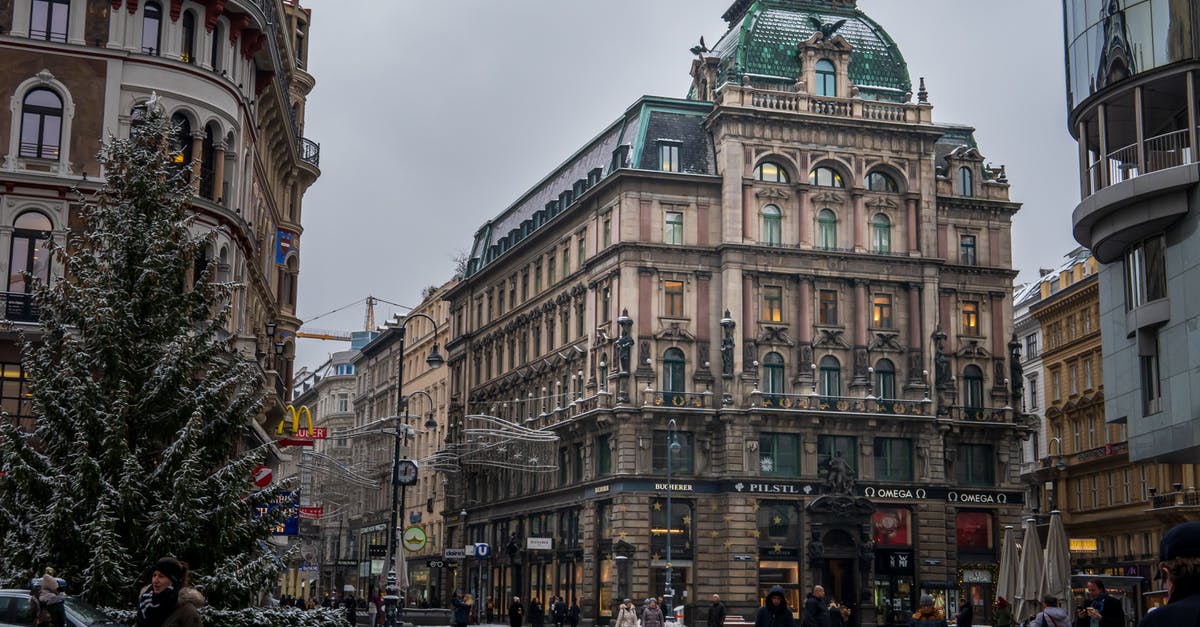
x: 827, y: 229
x: 772, y: 225
x: 893, y: 459
x: 826, y: 78
x: 779, y: 454
x: 881, y: 233
x: 683, y: 462
x: 976, y: 465
x: 843, y: 446
x: 603, y: 448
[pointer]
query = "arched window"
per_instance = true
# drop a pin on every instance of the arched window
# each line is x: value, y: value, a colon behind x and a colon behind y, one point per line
x: 826, y: 78
x: 972, y: 391
x: 773, y: 374
x: 30, y: 253
x: 41, y: 124
x: 825, y: 177
x: 152, y: 28
x: 827, y: 229
x: 881, y: 233
x: 831, y: 376
x: 48, y: 20
x: 673, y: 371
x: 208, y: 157
x: 885, y: 379
x: 214, y: 55
x: 183, y: 141
x: 770, y: 172
x: 882, y: 182
x: 187, y: 52
x: 772, y: 225
x: 966, y: 182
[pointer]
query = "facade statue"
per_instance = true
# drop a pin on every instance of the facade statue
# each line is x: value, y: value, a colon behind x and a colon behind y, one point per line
x: 816, y: 551
x: 840, y: 479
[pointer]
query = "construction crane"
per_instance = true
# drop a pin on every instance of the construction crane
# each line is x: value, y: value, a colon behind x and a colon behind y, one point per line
x: 345, y: 336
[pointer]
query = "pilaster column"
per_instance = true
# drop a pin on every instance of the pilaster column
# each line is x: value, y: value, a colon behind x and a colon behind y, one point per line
x: 916, y: 358
x: 219, y: 174
x: 912, y: 224
x: 860, y: 221
x: 862, y: 318
x: 804, y: 331
x: 803, y: 218
x: 197, y: 159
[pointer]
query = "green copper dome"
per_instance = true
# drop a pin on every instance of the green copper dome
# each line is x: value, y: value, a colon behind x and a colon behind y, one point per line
x: 764, y: 37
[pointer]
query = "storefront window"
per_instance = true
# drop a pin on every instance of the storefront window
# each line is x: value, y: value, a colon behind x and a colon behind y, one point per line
x: 974, y: 532
x: 681, y: 529
x: 778, y: 523
x: 893, y: 527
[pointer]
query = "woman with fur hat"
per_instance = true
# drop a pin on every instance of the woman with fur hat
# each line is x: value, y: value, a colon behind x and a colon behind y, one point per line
x: 50, y: 610
x: 927, y: 614
x: 168, y: 601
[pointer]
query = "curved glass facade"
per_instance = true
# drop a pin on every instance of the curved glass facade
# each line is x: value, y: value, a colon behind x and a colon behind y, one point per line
x: 1110, y: 40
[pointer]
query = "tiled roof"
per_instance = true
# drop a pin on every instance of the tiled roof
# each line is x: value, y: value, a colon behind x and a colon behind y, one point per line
x: 764, y: 43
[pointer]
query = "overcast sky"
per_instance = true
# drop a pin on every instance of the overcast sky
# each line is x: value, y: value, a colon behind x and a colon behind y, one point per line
x: 433, y: 116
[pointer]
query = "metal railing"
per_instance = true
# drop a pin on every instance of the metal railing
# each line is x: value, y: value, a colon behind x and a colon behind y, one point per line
x: 310, y: 151
x: 1123, y: 164
x: 20, y: 307
x: 980, y: 414
x: 679, y: 400
x: 1167, y: 150
x: 867, y: 405
x: 780, y: 97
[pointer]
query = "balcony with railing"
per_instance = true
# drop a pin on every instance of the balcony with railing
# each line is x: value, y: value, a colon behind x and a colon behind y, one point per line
x: 20, y: 307
x: 981, y: 414
x: 1168, y: 150
x: 1176, y: 506
x: 785, y: 99
x: 678, y: 400
x: 842, y: 404
x: 310, y: 152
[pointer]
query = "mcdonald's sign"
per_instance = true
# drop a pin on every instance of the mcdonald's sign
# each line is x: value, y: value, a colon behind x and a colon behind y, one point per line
x: 303, y: 434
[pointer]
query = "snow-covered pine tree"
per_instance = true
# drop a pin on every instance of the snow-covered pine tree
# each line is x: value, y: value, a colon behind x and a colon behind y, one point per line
x: 140, y: 405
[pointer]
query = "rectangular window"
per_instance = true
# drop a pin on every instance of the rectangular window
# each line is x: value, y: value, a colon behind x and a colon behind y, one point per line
x: 1073, y: 378
x: 1145, y: 272
x: 562, y: 467
x: 976, y: 465
x: 673, y: 230
x: 975, y: 532
x: 1095, y: 491
x: 1151, y: 383
x: 512, y: 291
x: 551, y: 274
x: 500, y: 300
x: 578, y: 454
x: 966, y: 250
x: 15, y: 395
x: 566, y: 261
x: 1087, y: 374
x: 1125, y: 493
x: 580, y: 252
x: 524, y: 285
x: 605, y: 304
x: 970, y: 318
x: 607, y: 232
x: 673, y: 299
x: 831, y: 447
x: 779, y: 455
x: 668, y: 157
x: 893, y: 459
x: 1033, y: 393
x: 343, y: 402
x: 537, y: 278
x: 772, y: 305
x: 1031, y: 346
x: 828, y: 314
x: 682, y: 462
x: 604, y: 455
x: 881, y: 312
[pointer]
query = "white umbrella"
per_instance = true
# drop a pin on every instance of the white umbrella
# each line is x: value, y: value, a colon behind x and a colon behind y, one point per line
x: 1006, y: 582
x: 1031, y: 584
x: 1058, y: 564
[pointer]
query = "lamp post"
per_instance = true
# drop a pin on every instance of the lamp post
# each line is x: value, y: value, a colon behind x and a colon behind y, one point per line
x: 434, y: 360
x: 672, y: 448
x: 1059, y: 466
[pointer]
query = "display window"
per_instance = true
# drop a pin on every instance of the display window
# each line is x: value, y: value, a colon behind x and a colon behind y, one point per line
x: 975, y: 532
x: 892, y: 527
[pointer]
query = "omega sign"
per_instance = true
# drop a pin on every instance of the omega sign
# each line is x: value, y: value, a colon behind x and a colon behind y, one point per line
x: 977, y: 497
x: 895, y: 493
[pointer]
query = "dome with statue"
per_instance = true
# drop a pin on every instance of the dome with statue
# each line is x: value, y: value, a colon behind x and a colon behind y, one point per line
x: 764, y: 37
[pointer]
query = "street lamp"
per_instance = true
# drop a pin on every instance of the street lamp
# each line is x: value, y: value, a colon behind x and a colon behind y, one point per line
x: 434, y: 360
x: 672, y: 448
x: 1059, y: 466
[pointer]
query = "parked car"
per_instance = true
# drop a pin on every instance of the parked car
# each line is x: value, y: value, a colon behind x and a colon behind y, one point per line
x: 14, y: 611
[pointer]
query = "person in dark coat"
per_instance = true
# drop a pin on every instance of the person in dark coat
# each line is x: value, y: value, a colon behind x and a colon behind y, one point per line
x: 816, y: 612
x: 168, y: 601
x: 966, y: 614
x: 838, y: 614
x: 717, y: 612
x: 558, y: 611
x: 652, y: 614
x: 462, y: 611
x: 351, y: 607
x: 1179, y: 551
x: 774, y: 612
x: 515, y: 613
x: 1100, y: 610
x: 537, y: 615
x: 574, y: 613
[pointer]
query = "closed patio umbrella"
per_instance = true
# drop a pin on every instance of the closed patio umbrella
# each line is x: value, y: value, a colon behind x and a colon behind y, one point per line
x: 1031, y: 582
x: 1058, y: 563
x: 1006, y: 582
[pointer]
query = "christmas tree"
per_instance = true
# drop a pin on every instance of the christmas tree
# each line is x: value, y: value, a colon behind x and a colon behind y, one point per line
x: 140, y: 404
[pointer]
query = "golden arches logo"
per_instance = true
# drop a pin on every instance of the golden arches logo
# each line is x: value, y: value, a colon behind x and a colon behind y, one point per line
x: 296, y: 413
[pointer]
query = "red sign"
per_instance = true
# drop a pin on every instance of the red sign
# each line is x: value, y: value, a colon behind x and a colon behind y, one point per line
x: 262, y: 476
x: 317, y: 433
x: 286, y: 442
x: 312, y: 513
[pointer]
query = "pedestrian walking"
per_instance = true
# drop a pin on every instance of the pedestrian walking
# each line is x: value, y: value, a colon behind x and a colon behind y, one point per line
x: 558, y: 611
x: 839, y: 615
x: 627, y: 614
x: 652, y: 615
x: 574, y: 613
x: 515, y: 613
x: 536, y: 613
x: 927, y: 615
x: 717, y: 612
x: 775, y: 612
x: 1179, y: 551
x: 462, y: 611
x: 816, y: 612
x: 1099, y: 609
x: 1051, y: 615
x: 351, y: 607
x: 966, y: 614
x: 168, y: 601
x: 1003, y: 613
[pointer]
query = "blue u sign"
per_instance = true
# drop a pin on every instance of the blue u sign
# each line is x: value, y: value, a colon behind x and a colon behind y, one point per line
x: 482, y: 550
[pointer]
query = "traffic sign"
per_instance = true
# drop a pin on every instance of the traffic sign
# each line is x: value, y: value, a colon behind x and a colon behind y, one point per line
x: 482, y: 550
x: 263, y: 476
x: 414, y: 539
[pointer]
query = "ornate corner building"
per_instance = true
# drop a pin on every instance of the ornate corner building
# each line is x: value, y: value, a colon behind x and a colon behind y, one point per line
x: 231, y: 74
x: 1133, y: 105
x: 768, y: 326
